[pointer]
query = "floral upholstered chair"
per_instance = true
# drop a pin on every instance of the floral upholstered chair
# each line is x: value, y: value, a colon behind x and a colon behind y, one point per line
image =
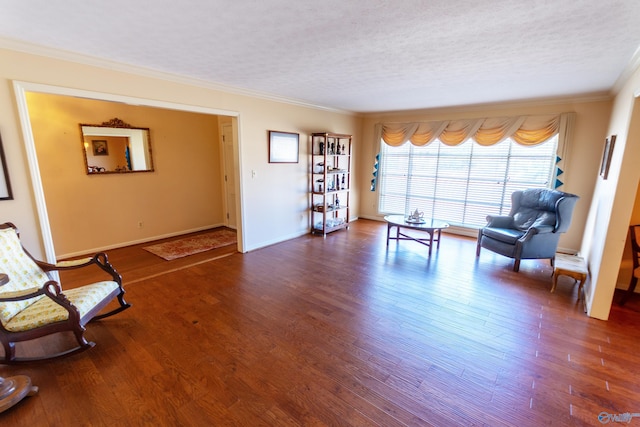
x: 33, y: 305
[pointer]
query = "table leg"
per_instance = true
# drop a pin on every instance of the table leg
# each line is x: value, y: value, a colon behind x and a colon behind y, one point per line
x: 439, y: 235
x: 388, y: 232
x: 430, y: 240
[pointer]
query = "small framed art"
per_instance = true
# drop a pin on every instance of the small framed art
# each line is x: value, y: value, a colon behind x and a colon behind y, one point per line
x: 100, y: 147
x: 283, y: 147
x: 5, y: 184
x: 609, y: 143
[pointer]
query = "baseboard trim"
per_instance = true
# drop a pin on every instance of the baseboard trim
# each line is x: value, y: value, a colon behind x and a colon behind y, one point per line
x: 135, y: 242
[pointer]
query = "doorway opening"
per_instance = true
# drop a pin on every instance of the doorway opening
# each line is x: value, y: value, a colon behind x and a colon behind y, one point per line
x: 60, y: 146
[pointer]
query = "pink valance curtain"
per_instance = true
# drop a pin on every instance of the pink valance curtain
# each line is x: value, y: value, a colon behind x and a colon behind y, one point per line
x: 525, y: 130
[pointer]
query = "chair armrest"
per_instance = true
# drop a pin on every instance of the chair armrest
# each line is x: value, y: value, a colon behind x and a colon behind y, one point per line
x: 67, y: 265
x: 537, y: 229
x: 74, y: 263
x: 100, y: 259
x: 499, y: 221
x: 21, y: 294
x: 51, y: 290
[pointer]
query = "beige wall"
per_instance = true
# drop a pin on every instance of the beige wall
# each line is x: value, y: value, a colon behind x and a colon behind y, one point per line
x: 612, y: 206
x: 91, y: 212
x: 273, y: 198
x: 581, y: 161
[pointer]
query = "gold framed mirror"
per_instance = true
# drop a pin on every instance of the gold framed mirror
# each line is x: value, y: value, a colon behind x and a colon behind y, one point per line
x: 116, y: 147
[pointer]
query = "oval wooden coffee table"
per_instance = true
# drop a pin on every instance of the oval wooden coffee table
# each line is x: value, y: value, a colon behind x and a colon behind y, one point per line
x: 431, y: 226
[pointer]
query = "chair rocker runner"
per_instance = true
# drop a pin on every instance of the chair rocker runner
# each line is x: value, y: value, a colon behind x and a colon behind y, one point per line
x: 32, y: 305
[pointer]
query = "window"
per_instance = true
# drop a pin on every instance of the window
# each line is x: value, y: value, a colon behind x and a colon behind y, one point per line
x: 462, y: 184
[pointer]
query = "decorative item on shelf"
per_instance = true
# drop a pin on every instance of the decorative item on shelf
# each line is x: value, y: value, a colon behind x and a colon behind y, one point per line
x: 321, y: 148
x: 318, y: 168
x: 320, y: 182
x: 343, y: 150
x: 338, y: 149
x: 333, y: 148
x: 343, y: 184
x: 337, y: 205
x: 330, y: 223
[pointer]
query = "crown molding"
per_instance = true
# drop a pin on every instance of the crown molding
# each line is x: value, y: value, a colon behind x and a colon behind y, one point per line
x: 64, y: 55
x: 523, y: 103
x: 629, y: 70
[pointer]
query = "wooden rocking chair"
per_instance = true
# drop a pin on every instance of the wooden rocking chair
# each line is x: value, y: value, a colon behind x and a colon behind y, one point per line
x: 32, y: 305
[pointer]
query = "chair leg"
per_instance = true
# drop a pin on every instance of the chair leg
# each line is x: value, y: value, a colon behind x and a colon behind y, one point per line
x: 516, y: 265
x: 478, y: 245
x: 630, y: 291
x: 9, y: 352
x: 78, y: 332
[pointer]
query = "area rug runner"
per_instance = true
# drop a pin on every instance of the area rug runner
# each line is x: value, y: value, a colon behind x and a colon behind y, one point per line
x: 192, y: 245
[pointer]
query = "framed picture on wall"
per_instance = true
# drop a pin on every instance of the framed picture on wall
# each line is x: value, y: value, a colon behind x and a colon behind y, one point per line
x: 100, y: 147
x: 609, y: 143
x: 5, y: 185
x: 283, y: 147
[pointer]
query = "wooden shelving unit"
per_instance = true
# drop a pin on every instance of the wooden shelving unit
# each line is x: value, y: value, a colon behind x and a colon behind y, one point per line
x: 330, y: 181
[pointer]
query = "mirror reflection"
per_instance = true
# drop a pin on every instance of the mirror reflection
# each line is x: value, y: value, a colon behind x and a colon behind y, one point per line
x: 116, y: 147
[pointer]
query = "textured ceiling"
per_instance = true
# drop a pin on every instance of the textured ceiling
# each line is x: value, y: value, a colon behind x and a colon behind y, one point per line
x: 355, y: 55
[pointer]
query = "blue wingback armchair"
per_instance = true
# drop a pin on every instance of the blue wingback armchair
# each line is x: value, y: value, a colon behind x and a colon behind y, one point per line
x: 532, y: 228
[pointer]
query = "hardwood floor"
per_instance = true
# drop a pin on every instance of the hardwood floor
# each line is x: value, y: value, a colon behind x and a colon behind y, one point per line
x: 341, y: 331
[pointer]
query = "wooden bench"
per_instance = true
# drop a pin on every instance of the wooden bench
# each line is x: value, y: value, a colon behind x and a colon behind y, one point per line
x: 570, y: 265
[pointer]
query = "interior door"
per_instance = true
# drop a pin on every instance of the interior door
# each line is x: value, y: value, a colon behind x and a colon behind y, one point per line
x: 229, y: 176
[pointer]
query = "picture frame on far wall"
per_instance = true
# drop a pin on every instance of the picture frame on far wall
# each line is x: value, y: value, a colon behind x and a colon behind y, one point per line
x: 5, y: 184
x: 100, y: 147
x: 607, y: 153
x: 283, y: 147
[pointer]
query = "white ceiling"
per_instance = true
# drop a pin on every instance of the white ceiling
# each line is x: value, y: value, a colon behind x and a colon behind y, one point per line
x: 354, y: 55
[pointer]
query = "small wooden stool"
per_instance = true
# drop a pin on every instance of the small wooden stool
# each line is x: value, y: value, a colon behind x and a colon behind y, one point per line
x: 572, y: 266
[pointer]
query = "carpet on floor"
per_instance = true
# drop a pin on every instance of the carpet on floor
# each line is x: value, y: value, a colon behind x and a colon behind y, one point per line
x: 193, y: 245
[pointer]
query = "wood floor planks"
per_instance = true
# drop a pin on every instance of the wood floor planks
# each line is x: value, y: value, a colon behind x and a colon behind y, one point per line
x: 340, y: 331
